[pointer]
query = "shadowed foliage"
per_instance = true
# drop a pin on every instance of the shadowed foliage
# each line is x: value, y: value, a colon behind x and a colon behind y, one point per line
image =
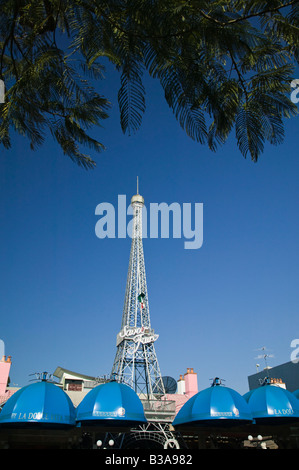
x: 224, y: 66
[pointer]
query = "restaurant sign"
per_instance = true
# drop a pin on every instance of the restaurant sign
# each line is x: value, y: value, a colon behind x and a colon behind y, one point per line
x: 138, y: 335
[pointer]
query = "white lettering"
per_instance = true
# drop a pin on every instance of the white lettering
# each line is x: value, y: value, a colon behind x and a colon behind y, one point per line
x: 164, y: 209
x: 108, y: 220
x: 122, y: 460
x: 137, y: 334
x: 284, y: 411
x: 122, y: 219
x: 197, y: 233
x: 2, y: 348
x: 2, y: 92
x: 144, y: 222
x: 295, y: 93
x: 105, y: 226
x: 295, y: 353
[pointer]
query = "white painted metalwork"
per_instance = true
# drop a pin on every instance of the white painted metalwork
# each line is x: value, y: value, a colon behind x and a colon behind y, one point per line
x: 136, y: 362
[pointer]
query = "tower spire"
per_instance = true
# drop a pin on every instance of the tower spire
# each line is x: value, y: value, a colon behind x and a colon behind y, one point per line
x: 135, y: 361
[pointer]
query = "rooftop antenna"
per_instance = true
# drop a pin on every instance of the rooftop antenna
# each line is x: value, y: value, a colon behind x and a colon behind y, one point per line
x: 216, y: 381
x: 137, y: 186
x: 264, y: 356
x: 42, y: 377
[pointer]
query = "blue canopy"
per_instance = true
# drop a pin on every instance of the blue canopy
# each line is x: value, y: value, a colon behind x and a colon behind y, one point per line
x: 114, y: 402
x: 272, y: 404
x: 214, y: 406
x: 38, y: 404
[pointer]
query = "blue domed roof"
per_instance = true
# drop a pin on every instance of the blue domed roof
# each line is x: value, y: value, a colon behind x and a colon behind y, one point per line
x: 40, y: 403
x: 296, y: 393
x: 111, y: 401
x: 216, y: 405
x: 271, y: 403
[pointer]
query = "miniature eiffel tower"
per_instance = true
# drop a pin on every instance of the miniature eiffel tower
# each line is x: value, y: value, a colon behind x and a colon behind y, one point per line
x: 135, y: 361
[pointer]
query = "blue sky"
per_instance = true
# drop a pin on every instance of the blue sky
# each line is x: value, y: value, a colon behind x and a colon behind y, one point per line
x: 62, y: 288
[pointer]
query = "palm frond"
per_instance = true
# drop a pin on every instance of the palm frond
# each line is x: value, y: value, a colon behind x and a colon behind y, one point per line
x: 222, y: 65
x: 249, y: 133
x: 131, y: 96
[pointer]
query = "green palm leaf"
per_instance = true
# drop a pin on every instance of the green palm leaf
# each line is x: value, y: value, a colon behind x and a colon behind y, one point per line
x: 223, y: 65
x: 131, y: 97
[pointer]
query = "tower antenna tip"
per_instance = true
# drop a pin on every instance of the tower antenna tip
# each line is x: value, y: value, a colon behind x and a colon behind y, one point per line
x: 137, y: 198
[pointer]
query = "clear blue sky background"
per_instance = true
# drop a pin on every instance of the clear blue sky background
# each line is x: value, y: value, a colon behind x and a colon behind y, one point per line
x: 62, y: 288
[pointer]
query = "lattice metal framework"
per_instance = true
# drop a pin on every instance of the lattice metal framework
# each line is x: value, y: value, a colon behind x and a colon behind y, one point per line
x: 136, y: 361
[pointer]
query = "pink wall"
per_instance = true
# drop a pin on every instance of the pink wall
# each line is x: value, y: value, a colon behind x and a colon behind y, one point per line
x: 191, y: 388
x: 4, y: 373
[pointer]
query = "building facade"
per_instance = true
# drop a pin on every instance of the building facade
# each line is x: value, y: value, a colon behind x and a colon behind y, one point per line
x: 288, y: 373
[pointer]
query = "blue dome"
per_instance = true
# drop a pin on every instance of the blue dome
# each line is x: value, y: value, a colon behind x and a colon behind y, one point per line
x: 296, y: 393
x: 40, y: 403
x: 111, y: 401
x: 216, y: 405
x: 270, y: 404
